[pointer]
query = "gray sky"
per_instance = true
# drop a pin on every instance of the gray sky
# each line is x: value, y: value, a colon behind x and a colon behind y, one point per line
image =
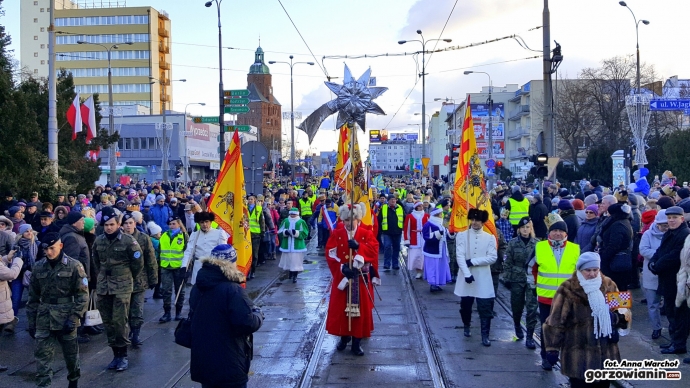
x: 588, y: 30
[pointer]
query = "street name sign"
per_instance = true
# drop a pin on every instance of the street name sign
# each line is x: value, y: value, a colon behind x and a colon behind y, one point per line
x: 205, y: 119
x: 238, y: 92
x: 236, y: 109
x: 236, y: 101
x: 239, y: 128
x: 679, y: 104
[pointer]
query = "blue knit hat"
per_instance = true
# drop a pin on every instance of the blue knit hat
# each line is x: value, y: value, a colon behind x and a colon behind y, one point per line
x: 224, y: 252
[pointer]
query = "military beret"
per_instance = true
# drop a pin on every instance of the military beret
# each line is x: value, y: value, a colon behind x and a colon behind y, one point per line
x: 49, y: 240
x: 173, y: 218
x: 107, y: 213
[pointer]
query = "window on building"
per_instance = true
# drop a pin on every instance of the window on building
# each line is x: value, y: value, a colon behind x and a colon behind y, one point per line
x: 35, y: 71
x: 42, y: 9
x: 121, y: 143
x: 35, y: 20
x: 128, y: 143
x: 43, y: 29
x: 35, y: 2
x: 35, y: 54
x: 135, y: 143
x: 152, y: 143
x: 43, y: 46
x: 43, y: 62
x: 35, y: 37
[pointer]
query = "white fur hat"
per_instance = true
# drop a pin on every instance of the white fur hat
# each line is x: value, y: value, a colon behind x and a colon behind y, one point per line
x: 347, y: 211
x: 154, y: 229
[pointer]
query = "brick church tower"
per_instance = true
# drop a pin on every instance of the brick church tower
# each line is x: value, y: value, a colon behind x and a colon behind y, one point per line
x: 264, y: 110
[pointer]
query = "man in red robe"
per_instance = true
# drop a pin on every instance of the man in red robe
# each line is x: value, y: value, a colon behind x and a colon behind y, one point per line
x: 352, y: 242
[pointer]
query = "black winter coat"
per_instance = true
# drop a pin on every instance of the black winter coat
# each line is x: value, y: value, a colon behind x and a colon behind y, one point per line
x: 666, y: 260
x: 537, y: 212
x: 616, y: 236
x: 222, y: 325
x: 74, y: 246
x: 572, y: 222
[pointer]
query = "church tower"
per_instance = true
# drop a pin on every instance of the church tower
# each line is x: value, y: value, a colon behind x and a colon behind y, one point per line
x: 264, y: 110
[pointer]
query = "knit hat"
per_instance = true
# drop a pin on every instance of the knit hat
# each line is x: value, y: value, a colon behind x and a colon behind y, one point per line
x: 160, y: 198
x: 665, y: 202
x: 523, y: 221
x: 593, y: 208
x: 137, y: 216
x: 73, y: 217
x: 515, y: 189
x: 436, y: 211
x: 554, y: 202
x: 683, y: 193
x: 147, y: 204
x: 588, y: 260
x: 24, y: 228
x: 89, y: 224
x: 578, y: 204
x: 618, y: 209
x: 675, y: 210
x: 224, y: 252
x: 559, y: 225
x: 154, y: 229
x: 13, y: 210
x: 564, y: 204
x: 294, y: 211
x: 660, y: 217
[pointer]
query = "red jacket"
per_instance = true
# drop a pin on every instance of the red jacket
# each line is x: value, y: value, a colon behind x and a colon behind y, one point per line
x: 412, y: 230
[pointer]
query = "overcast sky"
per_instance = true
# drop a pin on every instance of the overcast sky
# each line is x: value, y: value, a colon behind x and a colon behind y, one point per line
x: 588, y: 30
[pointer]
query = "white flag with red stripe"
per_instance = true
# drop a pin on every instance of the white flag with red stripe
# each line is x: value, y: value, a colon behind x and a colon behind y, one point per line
x: 74, y: 117
x: 88, y: 116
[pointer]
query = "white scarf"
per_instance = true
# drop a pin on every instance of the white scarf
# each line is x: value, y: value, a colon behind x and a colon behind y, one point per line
x: 418, y: 215
x: 438, y: 221
x: 600, y: 310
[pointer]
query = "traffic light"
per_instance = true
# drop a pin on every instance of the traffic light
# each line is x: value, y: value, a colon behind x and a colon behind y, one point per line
x: 454, y: 157
x: 539, y: 170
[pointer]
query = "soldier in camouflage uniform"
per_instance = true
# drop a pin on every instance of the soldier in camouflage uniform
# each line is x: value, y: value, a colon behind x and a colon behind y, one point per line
x: 119, y: 261
x: 522, y: 294
x: 148, y: 278
x: 450, y: 241
x: 58, y: 297
x: 497, y: 267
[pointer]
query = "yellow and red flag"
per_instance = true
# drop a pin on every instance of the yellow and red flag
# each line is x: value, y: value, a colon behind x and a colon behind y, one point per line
x: 228, y: 203
x: 349, y: 164
x: 469, y: 188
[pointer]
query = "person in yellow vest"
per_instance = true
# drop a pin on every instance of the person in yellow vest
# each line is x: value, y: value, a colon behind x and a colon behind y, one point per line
x: 553, y: 262
x: 518, y: 206
x: 305, y: 205
x: 257, y: 227
x: 391, y: 219
x: 172, y: 245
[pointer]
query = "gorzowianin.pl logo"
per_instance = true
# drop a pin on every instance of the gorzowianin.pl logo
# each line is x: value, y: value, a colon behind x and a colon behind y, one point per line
x: 635, y: 370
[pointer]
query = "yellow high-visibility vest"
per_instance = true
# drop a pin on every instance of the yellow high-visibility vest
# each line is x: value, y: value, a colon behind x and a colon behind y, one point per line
x: 518, y: 210
x: 398, y: 212
x: 172, y: 250
x: 254, y: 225
x: 305, y: 207
x: 550, y: 274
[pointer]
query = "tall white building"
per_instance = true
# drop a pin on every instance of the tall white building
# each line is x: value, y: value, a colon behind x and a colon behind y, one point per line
x: 391, y: 155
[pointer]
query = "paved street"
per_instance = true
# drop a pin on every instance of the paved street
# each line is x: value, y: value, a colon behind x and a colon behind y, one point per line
x: 410, y: 347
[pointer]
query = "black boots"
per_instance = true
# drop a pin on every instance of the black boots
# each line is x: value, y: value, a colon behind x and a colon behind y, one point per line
x: 82, y: 337
x: 518, y: 330
x: 356, y: 349
x: 466, y: 316
x: 466, y: 331
x: 178, y: 313
x: 342, y: 344
x: 135, y: 337
x: 166, y: 317
x: 293, y: 276
x: 529, y: 342
x: 123, y: 362
x: 73, y: 384
x: 485, y: 327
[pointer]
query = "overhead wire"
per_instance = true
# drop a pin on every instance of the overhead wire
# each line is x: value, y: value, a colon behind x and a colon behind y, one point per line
x: 303, y: 40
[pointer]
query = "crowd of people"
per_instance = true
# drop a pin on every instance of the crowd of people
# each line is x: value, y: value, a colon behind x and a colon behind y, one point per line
x: 558, y: 251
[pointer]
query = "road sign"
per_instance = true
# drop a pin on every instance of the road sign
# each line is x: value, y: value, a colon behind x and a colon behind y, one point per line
x: 236, y: 109
x: 239, y: 128
x: 236, y: 101
x: 490, y: 172
x: 678, y: 104
x: 237, y: 92
x: 205, y: 119
x: 490, y: 163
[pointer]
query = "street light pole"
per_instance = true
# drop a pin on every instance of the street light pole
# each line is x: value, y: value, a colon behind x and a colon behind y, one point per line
x: 423, y: 75
x: 164, y: 147
x: 491, y: 129
x: 292, y: 112
x: 112, y: 156
x: 186, y: 152
x: 221, y: 103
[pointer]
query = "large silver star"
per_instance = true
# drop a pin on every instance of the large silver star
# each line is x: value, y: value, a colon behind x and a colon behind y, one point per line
x: 354, y: 99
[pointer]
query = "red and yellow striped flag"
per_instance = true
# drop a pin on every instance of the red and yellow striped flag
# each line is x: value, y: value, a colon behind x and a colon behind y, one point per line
x: 469, y: 188
x: 228, y: 203
x: 347, y: 164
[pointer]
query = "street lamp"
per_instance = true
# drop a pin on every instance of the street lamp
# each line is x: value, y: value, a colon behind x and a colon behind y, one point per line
x: 637, y: 39
x: 164, y: 145
x: 411, y: 154
x: 221, y: 103
x: 423, y: 74
x: 186, y: 152
x: 112, y: 156
x: 451, y: 140
x: 491, y: 131
x: 292, y: 113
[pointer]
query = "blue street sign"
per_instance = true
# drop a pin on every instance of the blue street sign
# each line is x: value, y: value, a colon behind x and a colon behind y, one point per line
x: 153, y: 168
x: 491, y: 163
x: 669, y: 104
x: 490, y: 172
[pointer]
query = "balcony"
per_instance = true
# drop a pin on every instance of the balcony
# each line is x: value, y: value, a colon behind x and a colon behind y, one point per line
x: 163, y: 48
x: 162, y: 32
x: 518, y: 154
x: 165, y: 97
x: 164, y: 65
x: 521, y: 110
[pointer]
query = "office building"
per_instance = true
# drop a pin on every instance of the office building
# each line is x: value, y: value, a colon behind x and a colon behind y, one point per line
x: 106, y: 23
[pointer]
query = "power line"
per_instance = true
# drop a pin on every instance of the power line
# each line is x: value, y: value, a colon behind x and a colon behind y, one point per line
x: 441, y: 34
x: 303, y: 40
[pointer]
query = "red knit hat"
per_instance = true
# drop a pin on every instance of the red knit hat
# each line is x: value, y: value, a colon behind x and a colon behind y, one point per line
x: 648, y: 216
x: 578, y: 204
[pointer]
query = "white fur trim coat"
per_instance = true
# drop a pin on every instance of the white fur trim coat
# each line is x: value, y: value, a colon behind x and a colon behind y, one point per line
x: 482, y: 252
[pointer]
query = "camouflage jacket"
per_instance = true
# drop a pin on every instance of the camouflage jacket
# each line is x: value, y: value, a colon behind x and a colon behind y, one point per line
x: 118, y: 262
x: 517, y: 257
x: 148, y: 277
x: 57, y: 294
x: 497, y: 266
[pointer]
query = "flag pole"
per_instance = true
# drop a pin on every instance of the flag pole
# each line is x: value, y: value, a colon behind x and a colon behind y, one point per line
x: 352, y: 133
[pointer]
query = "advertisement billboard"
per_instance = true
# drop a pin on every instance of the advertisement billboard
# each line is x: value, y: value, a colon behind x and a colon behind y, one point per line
x: 499, y: 150
x: 480, y: 117
x: 374, y: 136
x: 403, y: 137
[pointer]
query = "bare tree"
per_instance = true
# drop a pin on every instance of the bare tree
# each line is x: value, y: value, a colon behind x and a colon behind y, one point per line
x: 573, y: 120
